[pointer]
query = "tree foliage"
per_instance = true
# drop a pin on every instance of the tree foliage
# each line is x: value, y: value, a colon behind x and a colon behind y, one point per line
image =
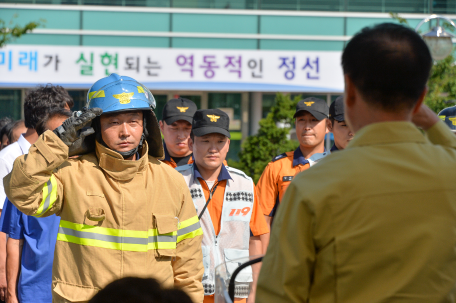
x: 271, y: 140
x: 442, y: 80
x: 9, y: 32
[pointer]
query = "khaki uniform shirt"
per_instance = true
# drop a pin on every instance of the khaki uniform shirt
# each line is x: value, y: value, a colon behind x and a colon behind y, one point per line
x: 119, y: 218
x: 375, y: 222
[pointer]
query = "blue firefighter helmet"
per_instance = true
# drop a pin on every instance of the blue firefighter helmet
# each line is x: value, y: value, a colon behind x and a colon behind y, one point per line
x: 448, y: 115
x: 119, y: 93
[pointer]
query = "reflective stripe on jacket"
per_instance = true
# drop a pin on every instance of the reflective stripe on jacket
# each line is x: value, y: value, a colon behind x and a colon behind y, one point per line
x: 119, y: 218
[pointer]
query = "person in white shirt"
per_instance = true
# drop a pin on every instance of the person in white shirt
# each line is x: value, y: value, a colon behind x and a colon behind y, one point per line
x: 37, y: 105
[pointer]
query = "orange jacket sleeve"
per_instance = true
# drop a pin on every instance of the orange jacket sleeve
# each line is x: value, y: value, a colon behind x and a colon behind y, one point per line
x: 268, y: 191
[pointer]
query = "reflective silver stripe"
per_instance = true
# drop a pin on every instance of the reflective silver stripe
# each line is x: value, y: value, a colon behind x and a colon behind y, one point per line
x: 189, y: 229
x: 115, y: 239
x: 47, y: 202
x: 101, y: 237
x: 162, y: 238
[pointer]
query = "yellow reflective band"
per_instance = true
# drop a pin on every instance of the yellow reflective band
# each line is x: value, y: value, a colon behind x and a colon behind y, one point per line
x: 189, y: 229
x: 104, y: 230
x: 140, y: 89
x: 101, y: 243
x: 117, y: 239
x: 190, y: 235
x: 188, y: 222
x: 99, y: 94
x: 49, y: 197
x: 442, y: 118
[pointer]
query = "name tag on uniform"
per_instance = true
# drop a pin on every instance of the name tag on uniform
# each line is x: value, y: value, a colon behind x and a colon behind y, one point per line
x: 287, y: 178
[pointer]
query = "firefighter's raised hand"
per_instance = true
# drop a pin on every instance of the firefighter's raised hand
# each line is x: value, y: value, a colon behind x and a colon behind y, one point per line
x: 77, y: 126
x: 424, y: 117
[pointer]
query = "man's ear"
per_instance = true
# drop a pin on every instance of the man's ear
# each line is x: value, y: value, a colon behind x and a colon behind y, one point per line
x: 350, y: 92
x: 420, y: 100
x: 161, y: 125
x: 329, y: 126
x: 190, y: 143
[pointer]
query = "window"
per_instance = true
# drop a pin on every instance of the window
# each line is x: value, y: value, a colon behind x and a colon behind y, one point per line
x: 10, y: 103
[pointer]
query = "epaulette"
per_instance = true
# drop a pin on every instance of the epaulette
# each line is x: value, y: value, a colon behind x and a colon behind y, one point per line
x: 281, y: 156
x: 237, y: 171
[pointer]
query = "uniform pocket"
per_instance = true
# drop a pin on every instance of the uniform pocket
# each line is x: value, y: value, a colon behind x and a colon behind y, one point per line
x: 94, y: 216
x: 74, y: 293
x: 164, y: 236
x: 232, y: 257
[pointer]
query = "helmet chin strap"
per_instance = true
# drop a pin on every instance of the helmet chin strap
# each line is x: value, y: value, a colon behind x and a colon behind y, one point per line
x: 131, y: 152
x: 126, y: 154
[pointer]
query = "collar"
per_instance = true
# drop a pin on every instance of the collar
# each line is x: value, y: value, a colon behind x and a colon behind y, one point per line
x: 298, y: 158
x: 387, y: 133
x: 116, y: 167
x: 334, y: 148
x: 167, y: 156
x: 24, y: 144
x: 223, y: 175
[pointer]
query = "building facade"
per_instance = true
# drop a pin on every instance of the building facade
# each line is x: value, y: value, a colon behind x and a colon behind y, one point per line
x: 229, y: 54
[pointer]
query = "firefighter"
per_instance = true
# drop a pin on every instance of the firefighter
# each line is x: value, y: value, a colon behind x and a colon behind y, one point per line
x: 337, y: 125
x: 448, y: 115
x: 123, y: 212
x: 225, y: 200
x: 176, y: 125
x: 311, y: 119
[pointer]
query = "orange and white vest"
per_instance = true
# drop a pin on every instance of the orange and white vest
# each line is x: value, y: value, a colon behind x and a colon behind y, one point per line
x: 232, y: 242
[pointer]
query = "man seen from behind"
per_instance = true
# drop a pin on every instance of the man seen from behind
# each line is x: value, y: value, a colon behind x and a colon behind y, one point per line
x: 374, y: 222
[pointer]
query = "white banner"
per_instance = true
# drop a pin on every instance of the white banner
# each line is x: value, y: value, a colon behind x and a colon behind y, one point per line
x: 173, y: 68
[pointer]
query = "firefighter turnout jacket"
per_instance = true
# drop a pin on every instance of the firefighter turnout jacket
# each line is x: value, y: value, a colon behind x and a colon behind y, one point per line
x: 118, y: 218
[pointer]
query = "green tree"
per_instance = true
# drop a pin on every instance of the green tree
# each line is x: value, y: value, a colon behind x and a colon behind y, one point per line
x: 9, y: 32
x: 442, y: 81
x: 271, y: 139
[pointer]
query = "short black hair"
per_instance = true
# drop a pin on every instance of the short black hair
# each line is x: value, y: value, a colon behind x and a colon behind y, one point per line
x: 174, y: 295
x: 6, y: 129
x: 4, y: 121
x: 130, y: 289
x: 39, y: 101
x: 41, y: 127
x: 16, y: 125
x: 389, y: 64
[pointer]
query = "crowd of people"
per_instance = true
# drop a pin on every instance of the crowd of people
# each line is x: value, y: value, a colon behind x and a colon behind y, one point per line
x: 108, y: 204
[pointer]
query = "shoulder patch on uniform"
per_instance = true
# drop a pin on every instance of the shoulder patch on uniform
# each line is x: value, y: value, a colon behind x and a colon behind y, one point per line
x: 281, y: 156
x: 237, y: 171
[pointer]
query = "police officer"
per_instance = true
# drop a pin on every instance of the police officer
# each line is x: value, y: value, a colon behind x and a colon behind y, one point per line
x: 342, y: 133
x: 311, y: 119
x: 176, y: 126
x: 225, y: 200
x: 123, y: 212
x: 448, y: 115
